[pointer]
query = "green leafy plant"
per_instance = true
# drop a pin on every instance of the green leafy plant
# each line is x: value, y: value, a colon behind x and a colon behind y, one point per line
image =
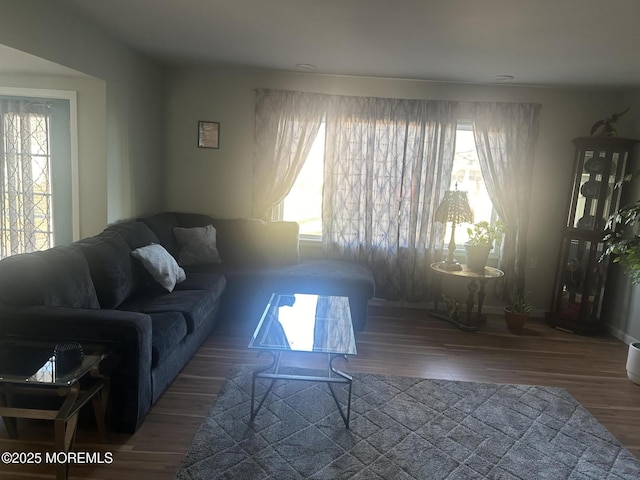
x: 520, y: 304
x: 483, y: 233
x: 624, y: 246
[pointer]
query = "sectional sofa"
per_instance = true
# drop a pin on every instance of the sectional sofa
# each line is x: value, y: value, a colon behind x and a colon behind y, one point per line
x: 155, y: 288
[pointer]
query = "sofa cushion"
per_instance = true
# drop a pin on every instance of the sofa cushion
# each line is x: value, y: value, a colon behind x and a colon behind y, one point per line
x: 109, y: 259
x: 58, y: 277
x: 162, y: 225
x: 160, y: 264
x: 136, y: 234
x: 198, y: 245
x: 250, y: 242
x: 197, y: 306
x: 168, y: 330
x: 211, y: 282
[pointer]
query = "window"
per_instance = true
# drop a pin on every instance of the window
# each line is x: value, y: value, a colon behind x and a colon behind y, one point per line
x: 25, y: 205
x: 304, y: 202
x: 467, y: 176
x: 35, y: 162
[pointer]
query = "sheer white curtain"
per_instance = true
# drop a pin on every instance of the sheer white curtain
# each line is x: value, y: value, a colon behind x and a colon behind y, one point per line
x: 287, y: 122
x: 387, y: 164
x: 25, y: 176
x: 505, y: 135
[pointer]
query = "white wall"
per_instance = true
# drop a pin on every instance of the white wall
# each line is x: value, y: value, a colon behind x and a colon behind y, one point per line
x: 218, y: 182
x: 120, y: 152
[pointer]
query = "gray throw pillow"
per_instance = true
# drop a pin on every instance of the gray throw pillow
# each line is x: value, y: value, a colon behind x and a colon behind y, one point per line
x: 161, y: 265
x: 198, y: 245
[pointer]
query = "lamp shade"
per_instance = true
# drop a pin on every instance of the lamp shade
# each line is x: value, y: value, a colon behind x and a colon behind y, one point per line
x: 454, y: 208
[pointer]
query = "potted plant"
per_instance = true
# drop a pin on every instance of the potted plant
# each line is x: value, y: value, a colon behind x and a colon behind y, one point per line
x: 481, y: 238
x: 517, y: 312
x: 625, y: 249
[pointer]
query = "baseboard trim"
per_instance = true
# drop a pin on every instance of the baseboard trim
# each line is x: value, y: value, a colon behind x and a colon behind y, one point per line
x: 620, y: 335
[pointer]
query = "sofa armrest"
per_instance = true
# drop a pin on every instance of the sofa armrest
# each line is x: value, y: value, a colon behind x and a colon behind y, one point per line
x: 129, y: 332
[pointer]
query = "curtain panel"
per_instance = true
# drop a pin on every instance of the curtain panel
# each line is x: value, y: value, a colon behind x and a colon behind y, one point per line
x: 287, y: 122
x: 505, y: 135
x: 387, y: 165
x: 25, y: 176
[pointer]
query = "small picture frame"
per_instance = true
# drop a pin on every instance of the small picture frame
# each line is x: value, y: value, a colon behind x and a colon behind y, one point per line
x: 208, y: 134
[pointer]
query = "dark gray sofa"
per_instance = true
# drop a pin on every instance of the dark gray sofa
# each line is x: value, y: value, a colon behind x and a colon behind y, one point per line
x: 261, y: 258
x: 95, y: 291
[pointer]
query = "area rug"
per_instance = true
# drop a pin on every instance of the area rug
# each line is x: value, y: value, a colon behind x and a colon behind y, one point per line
x: 404, y: 428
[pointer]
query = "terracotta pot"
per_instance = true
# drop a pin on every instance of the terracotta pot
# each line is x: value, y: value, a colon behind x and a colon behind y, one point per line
x: 515, y: 320
x: 633, y: 362
x: 477, y: 256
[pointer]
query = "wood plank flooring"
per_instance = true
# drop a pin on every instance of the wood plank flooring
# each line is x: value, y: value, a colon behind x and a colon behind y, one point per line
x: 397, y: 340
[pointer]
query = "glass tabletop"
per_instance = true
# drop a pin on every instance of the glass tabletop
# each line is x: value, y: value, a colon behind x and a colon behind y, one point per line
x: 34, y: 362
x: 306, y: 323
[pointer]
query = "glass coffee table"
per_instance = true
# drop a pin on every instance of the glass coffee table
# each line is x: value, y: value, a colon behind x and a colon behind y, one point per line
x: 30, y: 368
x: 305, y: 323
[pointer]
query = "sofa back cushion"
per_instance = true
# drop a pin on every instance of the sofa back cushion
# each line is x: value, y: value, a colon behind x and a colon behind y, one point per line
x: 110, y: 264
x: 247, y: 242
x: 58, y: 277
x: 162, y: 225
x: 239, y: 241
x: 136, y: 234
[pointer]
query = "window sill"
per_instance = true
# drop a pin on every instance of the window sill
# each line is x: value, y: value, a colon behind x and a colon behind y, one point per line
x: 310, y: 239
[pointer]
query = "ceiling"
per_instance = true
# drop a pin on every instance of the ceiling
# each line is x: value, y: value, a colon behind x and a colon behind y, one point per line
x: 538, y: 42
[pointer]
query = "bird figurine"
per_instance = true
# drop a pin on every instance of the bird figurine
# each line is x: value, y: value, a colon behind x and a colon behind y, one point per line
x: 605, y: 128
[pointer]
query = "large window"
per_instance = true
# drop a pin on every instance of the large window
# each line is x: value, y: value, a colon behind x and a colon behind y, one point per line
x: 304, y: 202
x: 467, y: 177
x: 35, y: 162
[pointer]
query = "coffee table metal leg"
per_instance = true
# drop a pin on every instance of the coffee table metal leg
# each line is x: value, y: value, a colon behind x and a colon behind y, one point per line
x: 65, y: 425
x: 99, y: 401
x: 341, y: 377
x: 275, y: 363
x: 10, y: 423
x: 349, y: 380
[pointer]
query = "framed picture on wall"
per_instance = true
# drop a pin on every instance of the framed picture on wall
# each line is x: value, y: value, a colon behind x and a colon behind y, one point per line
x: 208, y: 134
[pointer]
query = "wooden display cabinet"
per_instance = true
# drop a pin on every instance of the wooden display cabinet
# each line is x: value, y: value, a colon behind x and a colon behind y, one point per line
x: 600, y: 166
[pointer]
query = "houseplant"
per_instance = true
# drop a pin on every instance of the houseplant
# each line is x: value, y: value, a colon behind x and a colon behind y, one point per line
x: 625, y: 249
x: 481, y: 239
x: 517, y: 312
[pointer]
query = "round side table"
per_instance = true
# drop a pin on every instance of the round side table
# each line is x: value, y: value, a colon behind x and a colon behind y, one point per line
x: 472, y: 320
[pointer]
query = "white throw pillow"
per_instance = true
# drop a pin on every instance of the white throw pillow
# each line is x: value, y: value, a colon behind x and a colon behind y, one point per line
x: 161, y: 265
x: 198, y: 245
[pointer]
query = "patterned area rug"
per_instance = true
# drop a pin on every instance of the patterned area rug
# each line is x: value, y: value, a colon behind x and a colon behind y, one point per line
x: 404, y: 428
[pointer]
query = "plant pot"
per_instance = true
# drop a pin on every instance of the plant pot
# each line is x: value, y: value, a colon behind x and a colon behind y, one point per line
x: 633, y: 363
x: 515, y: 320
x: 477, y: 256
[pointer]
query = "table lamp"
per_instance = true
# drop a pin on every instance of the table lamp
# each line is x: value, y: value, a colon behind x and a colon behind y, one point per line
x: 454, y: 208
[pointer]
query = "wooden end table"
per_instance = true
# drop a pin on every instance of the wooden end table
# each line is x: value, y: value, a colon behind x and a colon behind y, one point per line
x: 471, y: 320
x: 29, y: 368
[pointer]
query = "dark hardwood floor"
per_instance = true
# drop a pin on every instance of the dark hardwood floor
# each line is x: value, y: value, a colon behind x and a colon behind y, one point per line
x: 400, y: 341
